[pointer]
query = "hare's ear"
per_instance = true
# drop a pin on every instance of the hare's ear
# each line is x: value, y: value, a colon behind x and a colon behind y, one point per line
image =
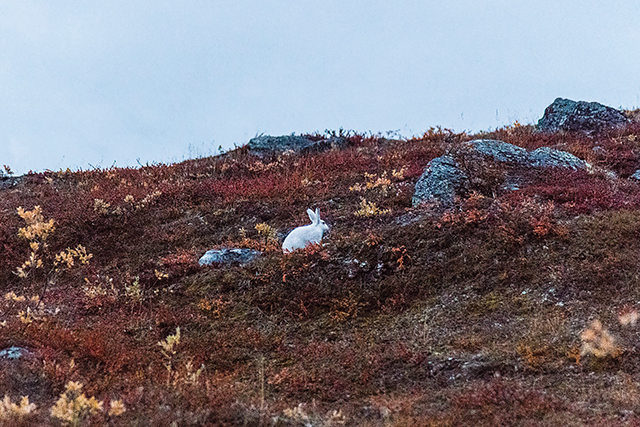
x: 312, y: 216
x: 318, y: 213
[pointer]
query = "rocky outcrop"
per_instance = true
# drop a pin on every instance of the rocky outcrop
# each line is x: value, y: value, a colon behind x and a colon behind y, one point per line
x: 229, y: 257
x: 544, y: 157
x: 266, y: 144
x: 579, y: 116
x: 446, y: 177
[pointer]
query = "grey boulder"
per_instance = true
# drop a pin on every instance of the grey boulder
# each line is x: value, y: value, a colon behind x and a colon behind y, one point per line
x: 444, y: 177
x: 579, y: 116
x: 227, y: 256
x: 441, y: 180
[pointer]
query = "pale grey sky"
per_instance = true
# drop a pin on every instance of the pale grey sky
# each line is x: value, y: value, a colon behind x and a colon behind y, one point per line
x: 93, y: 83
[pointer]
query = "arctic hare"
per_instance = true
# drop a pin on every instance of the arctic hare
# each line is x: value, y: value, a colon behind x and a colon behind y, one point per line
x: 306, y: 234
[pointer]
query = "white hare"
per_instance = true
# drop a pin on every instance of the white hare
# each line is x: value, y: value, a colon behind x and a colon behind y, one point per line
x: 306, y: 234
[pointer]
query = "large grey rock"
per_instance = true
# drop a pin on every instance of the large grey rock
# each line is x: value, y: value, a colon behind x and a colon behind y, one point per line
x: 266, y: 144
x: 228, y: 256
x: 568, y: 115
x: 444, y: 178
x: 441, y: 181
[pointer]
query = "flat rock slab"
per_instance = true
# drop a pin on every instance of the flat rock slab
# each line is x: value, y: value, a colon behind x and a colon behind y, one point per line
x: 229, y: 256
x: 579, y: 116
x: 266, y: 144
x: 544, y: 157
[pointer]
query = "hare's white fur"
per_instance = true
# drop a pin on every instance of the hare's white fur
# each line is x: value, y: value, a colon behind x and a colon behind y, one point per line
x: 306, y: 234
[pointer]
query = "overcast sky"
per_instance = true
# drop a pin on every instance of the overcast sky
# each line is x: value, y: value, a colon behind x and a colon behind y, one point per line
x: 88, y: 84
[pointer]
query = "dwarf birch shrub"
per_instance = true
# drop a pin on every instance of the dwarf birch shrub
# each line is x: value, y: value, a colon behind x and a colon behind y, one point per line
x: 370, y: 209
x: 9, y: 410
x: 301, y: 415
x: 116, y: 408
x: 36, y: 232
x: 267, y: 232
x: 188, y: 375
x: 381, y: 185
x: 628, y: 316
x: 18, y: 305
x: 73, y: 407
x: 134, y: 291
x: 597, y: 341
x: 169, y: 352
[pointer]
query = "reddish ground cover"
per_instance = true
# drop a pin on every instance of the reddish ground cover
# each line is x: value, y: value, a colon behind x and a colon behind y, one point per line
x: 479, y: 315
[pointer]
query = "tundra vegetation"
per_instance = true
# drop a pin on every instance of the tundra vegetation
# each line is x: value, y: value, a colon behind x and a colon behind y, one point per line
x: 510, y: 307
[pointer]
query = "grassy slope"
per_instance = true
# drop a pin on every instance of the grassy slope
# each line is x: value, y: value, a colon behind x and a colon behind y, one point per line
x: 410, y: 317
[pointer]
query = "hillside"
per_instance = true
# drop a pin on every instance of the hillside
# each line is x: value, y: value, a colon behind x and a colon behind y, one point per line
x: 506, y: 308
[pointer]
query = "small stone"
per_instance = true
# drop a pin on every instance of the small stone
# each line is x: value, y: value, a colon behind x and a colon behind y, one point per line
x: 13, y: 353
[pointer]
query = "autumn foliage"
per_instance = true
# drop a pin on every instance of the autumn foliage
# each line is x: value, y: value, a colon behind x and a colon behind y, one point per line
x: 500, y: 309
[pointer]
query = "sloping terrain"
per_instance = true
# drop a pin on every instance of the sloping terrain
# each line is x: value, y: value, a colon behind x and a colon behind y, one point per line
x: 509, y: 308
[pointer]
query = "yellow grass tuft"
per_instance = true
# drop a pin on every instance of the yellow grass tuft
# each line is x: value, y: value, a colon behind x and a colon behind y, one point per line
x: 116, y: 408
x: 73, y: 406
x: 36, y: 227
x: 597, y: 340
x: 9, y: 409
x: 370, y: 209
